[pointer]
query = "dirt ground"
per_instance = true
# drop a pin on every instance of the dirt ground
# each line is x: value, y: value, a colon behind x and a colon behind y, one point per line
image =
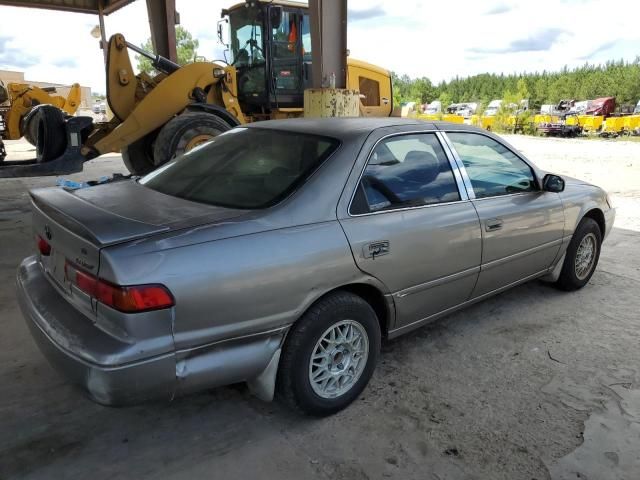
x: 532, y: 384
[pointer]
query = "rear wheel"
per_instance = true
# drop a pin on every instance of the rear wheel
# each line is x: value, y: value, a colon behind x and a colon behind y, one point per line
x: 582, y: 256
x: 51, y: 138
x: 329, y: 355
x: 138, y: 156
x: 185, y: 132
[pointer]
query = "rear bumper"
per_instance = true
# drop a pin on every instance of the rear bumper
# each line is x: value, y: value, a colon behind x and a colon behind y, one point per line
x: 69, y: 339
x: 64, y: 335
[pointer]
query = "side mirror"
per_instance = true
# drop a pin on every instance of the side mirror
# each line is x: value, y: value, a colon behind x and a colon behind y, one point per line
x: 275, y: 16
x: 553, y: 183
x: 221, y: 32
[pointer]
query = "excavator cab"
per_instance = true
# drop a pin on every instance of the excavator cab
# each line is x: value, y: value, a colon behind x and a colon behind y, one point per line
x: 270, y: 47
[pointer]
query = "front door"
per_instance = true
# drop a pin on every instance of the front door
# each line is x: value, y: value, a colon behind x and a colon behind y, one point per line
x: 522, y: 226
x: 411, y: 226
x: 286, y: 60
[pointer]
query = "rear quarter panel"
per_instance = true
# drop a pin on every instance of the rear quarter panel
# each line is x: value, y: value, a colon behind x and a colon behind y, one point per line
x: 242, y: 285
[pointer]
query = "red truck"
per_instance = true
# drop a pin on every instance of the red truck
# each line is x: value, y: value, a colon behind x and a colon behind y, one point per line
x: 604, y: 106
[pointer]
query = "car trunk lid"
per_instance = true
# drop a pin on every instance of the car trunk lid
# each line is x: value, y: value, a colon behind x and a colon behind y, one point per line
x: 78, y: 224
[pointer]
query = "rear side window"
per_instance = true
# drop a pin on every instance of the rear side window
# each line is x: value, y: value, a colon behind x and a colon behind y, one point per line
x: 492, y: 168
x: 405, y: 171
x: 247, y: 168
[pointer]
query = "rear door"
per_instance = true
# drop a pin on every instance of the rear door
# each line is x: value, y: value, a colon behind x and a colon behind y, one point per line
x: 522, y: 226
x: 410, y: 225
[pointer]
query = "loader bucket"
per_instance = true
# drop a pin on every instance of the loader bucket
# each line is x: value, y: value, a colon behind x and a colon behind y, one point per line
x: 70, y: 161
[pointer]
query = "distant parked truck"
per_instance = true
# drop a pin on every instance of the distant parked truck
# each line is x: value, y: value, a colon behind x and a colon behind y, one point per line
x: 492, y: 108
x: 604, y: 106
x: 435, y: 107
x: 547, y: 109
x: 463, y: 109
x: 579, y: 108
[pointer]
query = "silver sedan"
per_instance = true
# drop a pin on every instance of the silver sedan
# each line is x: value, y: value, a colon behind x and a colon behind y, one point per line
x: 280, y: 254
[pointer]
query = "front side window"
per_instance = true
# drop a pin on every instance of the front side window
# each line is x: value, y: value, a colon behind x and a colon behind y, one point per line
x: 285, y: 37
x: 405, y: 171
x: 246, y: 168
x: 492, y: 168
x: 246, y: 38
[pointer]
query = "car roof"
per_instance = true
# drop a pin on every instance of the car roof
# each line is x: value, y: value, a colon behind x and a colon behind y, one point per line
x: 342, y: 127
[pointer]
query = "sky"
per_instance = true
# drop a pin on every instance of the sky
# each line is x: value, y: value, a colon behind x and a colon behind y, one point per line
x: 438, y: 40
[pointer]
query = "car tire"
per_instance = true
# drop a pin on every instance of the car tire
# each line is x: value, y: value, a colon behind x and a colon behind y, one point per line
x: 183, y: 132
x: 344, y: 366
x: 138, y: 156
x: 581, y: 257
x: 51, y: 139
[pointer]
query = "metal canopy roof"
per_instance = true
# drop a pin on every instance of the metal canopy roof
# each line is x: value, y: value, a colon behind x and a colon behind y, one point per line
x: 79, y: 6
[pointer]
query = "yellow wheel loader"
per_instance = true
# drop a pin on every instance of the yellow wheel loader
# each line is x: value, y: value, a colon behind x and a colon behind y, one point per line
x: 157, y: 117
x: 22, y: 100
x: 19, y: 109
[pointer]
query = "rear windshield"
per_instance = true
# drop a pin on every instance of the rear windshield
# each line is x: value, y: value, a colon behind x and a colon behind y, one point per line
x: 247, y: 168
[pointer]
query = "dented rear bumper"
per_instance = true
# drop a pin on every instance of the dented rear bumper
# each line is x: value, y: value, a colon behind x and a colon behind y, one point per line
x: 100, y: 363
x: 74, y: 345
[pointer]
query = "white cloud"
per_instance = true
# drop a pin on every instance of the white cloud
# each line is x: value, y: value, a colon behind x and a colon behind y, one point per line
x: 435, y: 39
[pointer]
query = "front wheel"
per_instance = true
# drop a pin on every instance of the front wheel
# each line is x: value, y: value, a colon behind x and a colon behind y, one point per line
x: 582, y: 256
x: 138, y: 156
x: 184, y: 132
x: 329, y: 355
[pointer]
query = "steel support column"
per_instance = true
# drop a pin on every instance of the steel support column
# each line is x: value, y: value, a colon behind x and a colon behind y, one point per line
x: 328, y: 20
x: 103, y: 34
x: 162, y: 21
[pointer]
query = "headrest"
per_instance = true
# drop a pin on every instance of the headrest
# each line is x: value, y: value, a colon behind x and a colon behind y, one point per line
x: 422, y: 167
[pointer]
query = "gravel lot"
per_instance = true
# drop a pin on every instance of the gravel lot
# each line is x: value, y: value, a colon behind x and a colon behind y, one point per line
x: 532, y: 384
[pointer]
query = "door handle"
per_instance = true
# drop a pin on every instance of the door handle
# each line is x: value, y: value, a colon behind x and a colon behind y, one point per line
x: 493, y: 224
x: 375, y: 249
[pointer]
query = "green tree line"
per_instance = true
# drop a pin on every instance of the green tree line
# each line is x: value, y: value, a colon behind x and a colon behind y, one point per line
x: 618, y: 79
x: 186, y: 49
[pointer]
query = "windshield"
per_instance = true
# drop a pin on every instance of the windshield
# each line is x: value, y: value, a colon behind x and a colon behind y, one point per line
x: 247, y: 46
x: 245, y: 168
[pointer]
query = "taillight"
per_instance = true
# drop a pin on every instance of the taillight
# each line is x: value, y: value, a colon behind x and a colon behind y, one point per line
x: 43, y: 246
x: 135, y: 298
x: 128, y: 299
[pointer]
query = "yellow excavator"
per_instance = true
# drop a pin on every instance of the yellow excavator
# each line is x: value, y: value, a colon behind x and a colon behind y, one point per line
x: 161, y: 115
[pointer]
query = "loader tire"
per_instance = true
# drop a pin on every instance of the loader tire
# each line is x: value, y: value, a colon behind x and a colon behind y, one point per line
x: 138, y: 156
x: 30, y: 129
x: 51, y: 137
x: 184, y: 132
